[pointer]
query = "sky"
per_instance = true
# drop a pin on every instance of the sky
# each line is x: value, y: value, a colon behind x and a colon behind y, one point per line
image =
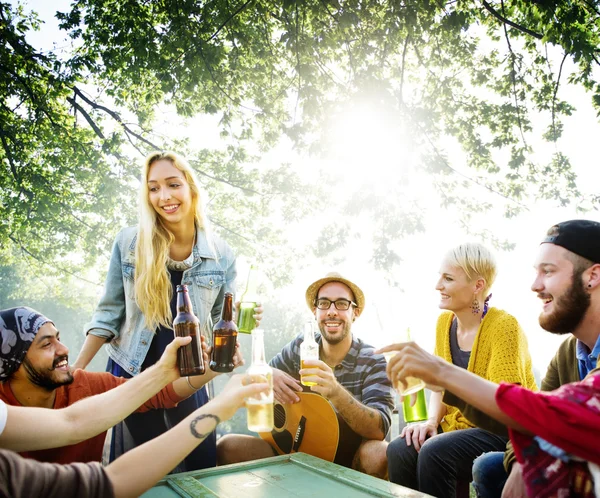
x: 361, y: 139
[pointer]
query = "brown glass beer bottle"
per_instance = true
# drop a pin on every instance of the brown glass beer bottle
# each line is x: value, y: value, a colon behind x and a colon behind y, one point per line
x: 224, y: 338
x: 186, y: 324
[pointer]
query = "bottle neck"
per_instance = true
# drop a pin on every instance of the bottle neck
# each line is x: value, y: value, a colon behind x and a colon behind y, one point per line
x: 184, y: 304
x: 258, y: 348
x: 227, y: 313
x: 309, y: 332
x: 251, y: 286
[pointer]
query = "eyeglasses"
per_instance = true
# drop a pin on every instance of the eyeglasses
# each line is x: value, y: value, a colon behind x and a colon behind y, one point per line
x: 341, y: 304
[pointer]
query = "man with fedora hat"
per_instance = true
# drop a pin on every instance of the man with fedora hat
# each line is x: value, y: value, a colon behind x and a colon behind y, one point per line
x: 347, y: 373
x: 568, y: 283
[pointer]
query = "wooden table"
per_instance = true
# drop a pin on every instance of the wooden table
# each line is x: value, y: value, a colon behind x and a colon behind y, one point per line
x: 295, y: 475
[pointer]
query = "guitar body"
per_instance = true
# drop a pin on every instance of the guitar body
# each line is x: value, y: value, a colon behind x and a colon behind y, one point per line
x: 312, y: 426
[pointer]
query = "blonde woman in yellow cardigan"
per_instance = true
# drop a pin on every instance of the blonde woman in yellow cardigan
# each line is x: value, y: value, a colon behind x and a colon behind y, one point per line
x: 433, y: 456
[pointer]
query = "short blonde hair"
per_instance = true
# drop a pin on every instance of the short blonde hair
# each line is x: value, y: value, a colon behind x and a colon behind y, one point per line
x: 477, y: 261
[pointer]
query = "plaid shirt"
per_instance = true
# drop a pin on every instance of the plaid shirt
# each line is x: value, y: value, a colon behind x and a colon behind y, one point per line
x: 361, y: 373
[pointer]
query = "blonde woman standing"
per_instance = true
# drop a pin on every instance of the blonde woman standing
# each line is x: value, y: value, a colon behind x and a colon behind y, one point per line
x: 170, y: 246
x: 432, y: 456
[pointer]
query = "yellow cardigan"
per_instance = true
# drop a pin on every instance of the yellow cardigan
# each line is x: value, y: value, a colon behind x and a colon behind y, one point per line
x: 499, y: 354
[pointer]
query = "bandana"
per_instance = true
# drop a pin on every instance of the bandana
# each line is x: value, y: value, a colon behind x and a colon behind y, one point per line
x: 18, y: 328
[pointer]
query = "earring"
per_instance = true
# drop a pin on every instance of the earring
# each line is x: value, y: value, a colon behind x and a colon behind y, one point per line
x: 475, y: 307
x: 589, y: 286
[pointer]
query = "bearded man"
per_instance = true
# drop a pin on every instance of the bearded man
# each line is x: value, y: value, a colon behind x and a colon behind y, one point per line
x: 347, y: 374
x: 35, y: 371
x: 566, y: 267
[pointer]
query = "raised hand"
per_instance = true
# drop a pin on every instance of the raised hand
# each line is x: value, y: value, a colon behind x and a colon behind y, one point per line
x: 235, y: 392
x: 258, y: 312
x: 319, y: 372
x: 413, y: 361
x: 168, y: 360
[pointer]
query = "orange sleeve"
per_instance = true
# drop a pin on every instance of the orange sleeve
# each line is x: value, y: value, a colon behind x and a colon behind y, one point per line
x: 166, y: 398
x: 99, y: 382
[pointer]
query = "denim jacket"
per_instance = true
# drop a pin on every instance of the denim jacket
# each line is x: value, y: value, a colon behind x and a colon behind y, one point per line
x: 119, y: 319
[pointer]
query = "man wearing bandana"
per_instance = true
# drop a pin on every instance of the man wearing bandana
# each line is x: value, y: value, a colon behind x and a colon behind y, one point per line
x: 34, y: 371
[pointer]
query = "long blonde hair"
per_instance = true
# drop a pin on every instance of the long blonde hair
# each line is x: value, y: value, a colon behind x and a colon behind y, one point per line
x: 153, y: 288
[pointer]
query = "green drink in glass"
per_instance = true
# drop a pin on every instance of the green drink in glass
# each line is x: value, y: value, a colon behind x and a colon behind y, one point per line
x: 417, y: 412
x: 246, y: 322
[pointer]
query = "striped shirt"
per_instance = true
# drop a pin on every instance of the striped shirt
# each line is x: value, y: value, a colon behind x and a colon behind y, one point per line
x: 361, y: 373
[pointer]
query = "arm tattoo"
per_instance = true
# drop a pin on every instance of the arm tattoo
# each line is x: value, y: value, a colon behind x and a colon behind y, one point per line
x: 193, y: 423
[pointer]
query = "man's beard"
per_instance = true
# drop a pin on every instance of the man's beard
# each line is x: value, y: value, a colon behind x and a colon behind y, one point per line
x: 569, y: 309
x: 335, y: 339
x: 44, y: 379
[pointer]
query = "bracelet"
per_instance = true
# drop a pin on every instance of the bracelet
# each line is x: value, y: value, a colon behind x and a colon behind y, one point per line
x: 190, y: 384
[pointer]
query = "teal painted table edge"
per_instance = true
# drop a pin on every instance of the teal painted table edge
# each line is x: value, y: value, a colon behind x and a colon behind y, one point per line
x: 188, y: 485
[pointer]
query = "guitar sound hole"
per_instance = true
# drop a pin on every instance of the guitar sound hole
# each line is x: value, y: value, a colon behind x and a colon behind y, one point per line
x: 279, y: 416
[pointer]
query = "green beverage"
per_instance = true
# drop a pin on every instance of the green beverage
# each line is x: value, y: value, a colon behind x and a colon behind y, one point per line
x: 246, y: 322
x: 417, y: 412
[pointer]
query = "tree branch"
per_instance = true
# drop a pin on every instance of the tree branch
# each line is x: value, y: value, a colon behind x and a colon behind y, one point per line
x: 244, y: 5
x: 404, y: 50
x: 554, y: 95
x: 115, y: 116
x: 87, y: 117
x: 42, y: 262
x: 504, y: 20
x: 227, y: 182
x: 9, y: 155
x: 514, y: 79
x: 233, y: 232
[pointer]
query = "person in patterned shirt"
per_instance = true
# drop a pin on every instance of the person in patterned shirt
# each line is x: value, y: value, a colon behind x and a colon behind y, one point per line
x: 347, y: 374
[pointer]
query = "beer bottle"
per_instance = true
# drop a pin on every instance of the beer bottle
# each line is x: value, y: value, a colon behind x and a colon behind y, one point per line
x: 417, y: 412
x: 224, y: 338
x: 246, y: 322
x: 260, y: 406
x: 186, y: 324
x: 309, y: 349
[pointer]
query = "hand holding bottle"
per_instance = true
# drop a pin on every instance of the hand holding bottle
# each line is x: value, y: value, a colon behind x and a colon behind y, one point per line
x: 235, y: 393
x: 168, y: 361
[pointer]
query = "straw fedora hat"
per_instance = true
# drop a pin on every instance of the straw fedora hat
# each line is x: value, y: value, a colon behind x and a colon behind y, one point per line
x: 313, y: 289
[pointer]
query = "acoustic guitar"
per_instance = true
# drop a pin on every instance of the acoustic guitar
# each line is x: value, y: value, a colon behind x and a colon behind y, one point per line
x: 312, y: 426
